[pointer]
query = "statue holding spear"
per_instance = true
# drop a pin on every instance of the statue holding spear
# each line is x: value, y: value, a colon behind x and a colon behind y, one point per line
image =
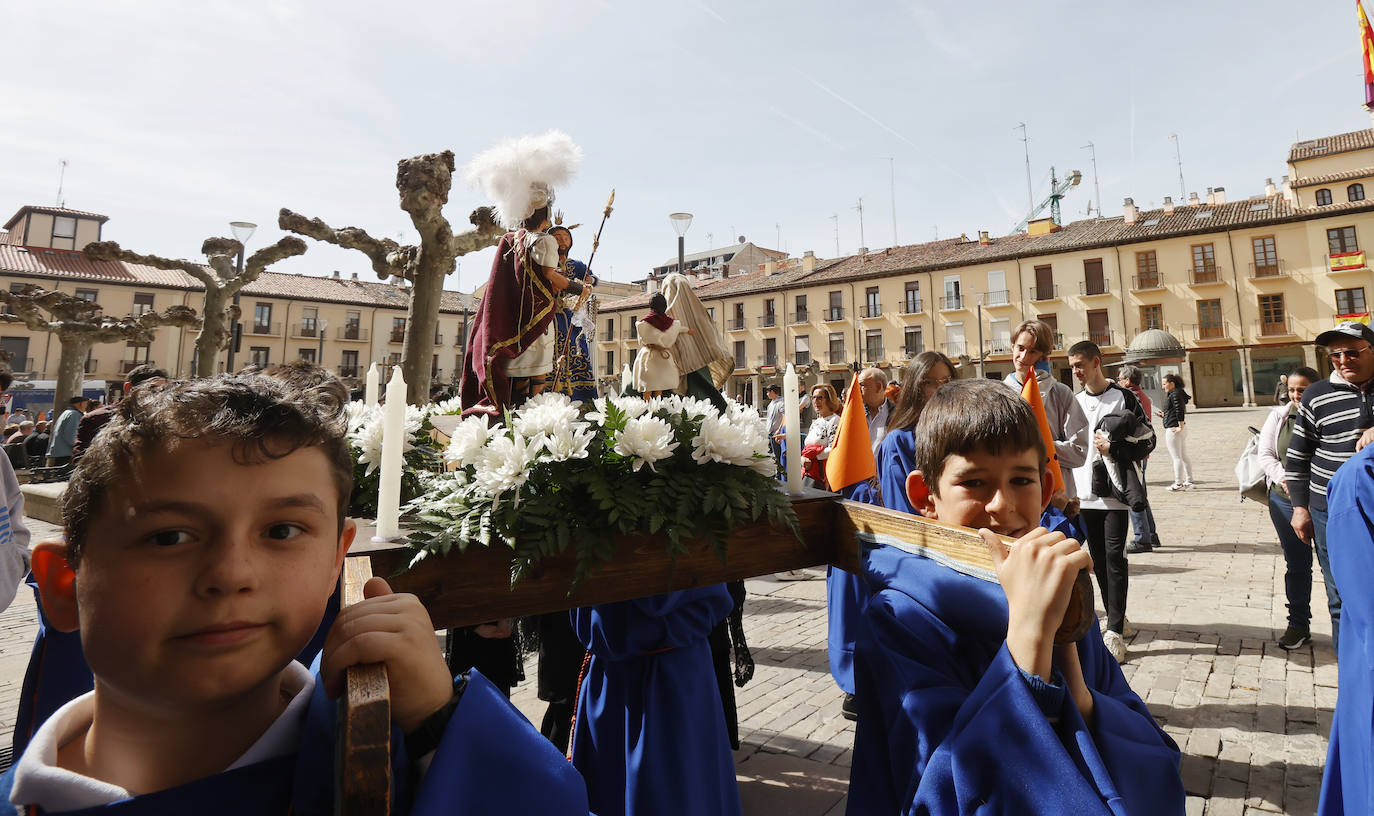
x: 573, y: 373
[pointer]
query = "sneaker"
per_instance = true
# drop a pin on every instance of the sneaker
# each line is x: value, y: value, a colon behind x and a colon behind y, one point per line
x: 1176, y: 486
x: 1116, y: 645
x: 849, y: 709
x: 1293, y: 638
x: 792, y: 575
x: 1188, y: 485
x: 1137, y: 547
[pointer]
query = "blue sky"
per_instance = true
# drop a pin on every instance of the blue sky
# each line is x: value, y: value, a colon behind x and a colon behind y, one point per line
x: 761, y: 118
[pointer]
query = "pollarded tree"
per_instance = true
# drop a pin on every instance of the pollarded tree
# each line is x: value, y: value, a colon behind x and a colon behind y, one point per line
x: 222, y: 280
x: 80, y: 324
x: 424, y: 183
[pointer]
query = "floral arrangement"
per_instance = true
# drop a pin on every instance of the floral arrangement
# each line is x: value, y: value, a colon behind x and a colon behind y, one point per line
x: 560, y: 474
x: 422, y: 455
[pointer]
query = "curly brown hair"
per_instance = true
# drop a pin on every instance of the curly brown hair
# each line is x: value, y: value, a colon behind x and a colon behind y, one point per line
x: 262, y: 417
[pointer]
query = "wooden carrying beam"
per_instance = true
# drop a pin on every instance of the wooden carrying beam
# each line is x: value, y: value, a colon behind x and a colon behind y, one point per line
x: 363, y: 773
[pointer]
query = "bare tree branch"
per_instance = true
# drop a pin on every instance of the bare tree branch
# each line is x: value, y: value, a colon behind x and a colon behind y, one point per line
x: 380, y: 252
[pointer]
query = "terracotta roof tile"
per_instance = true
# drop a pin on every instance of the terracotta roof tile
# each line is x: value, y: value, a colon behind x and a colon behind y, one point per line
x: 1331, y: 145
x: 1331, y: 178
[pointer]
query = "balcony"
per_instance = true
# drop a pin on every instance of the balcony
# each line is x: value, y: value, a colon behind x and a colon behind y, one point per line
x: 305, y: 329
x: 397, y: 336
x: 1210, y: 332
x: 1058, y: 341
x: 1102, y: 337
x: 767, y: 361
x: 353, y: 333
x: 956, y: 349
x: 912, y: 306
x: 802, y: 358
x: 736, y: 324
x: 265, y: 329
x: 909, y: 352
x: 1088, y: 288
x: 1204, y: 275
x: 740, y: 365
x: 871, y: 310
x: 834, y: 314
x: 348, y: 372
x: 1339, y: 262
x: 631, y: 334
x: 1283, y: 327
x: 997, y: 298
x: 1144, y: 283
x: 438, y: 339
x: 799, y: 318
x: 768, y: 321
x: 1278, y: 269
x: 1041, y: 293
x: 125, y: 366
x: 951, y: 303
x: 22, y: 364
x: 92, y: 366
x: 839, y: 357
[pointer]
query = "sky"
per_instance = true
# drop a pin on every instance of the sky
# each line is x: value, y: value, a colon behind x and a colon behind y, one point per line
x: 770, y: 120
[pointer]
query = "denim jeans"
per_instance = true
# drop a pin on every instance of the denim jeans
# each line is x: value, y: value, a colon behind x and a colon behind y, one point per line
x: 1144, y: 521
x: 1333, y: 596
x: 1297, y: 555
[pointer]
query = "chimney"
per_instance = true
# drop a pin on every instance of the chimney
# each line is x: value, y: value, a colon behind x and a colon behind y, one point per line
x: 1193, y: 200
x: 1211, y: 199
x: 1269, y: 189
x: 984, y: 239
x: 808, y: 261
x: 1288, y: 190
x: 1168, y: 205
x: 650, y: 285
x: 336, y: 274
x: 770, y: 268
x: 354, y: 277
x: 1129, y: 212
x: 862, y: 251
x: 1219, y: 195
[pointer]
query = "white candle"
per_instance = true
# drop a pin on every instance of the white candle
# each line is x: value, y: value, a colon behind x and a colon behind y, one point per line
x: 792, y: 418
x: 393, y: 445
x: 373, y: 380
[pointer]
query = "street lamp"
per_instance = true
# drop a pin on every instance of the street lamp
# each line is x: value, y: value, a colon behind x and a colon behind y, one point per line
x: 324, y: 324
x: 681, y: 221
x: 243, y: 230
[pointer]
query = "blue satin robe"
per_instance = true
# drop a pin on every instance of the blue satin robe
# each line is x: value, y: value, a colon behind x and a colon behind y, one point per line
x: 1346, y: 784
x: 578, y: 379
x: 490, y: 762
x: 650, y: 735
x: 948, y: 724
x: 845, y: 598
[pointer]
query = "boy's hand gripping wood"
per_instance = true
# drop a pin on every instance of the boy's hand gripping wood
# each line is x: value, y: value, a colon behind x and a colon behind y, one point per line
x: 363, y: 772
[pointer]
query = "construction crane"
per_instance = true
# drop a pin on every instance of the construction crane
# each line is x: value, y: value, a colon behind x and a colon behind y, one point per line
x: 1057, y: 190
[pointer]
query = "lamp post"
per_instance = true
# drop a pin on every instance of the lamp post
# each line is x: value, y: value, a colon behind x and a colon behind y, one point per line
x: 243, y: 230
x: 324, y: 324
x: 681, y: 221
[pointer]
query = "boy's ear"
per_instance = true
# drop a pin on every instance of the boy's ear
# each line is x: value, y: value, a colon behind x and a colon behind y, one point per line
x: 919, y: 494
x: 56, y: 585
x: 1046, y: 486
x: 350, y: 529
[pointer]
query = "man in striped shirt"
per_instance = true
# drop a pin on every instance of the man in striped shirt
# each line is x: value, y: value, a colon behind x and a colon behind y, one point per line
x: 1336, y: 419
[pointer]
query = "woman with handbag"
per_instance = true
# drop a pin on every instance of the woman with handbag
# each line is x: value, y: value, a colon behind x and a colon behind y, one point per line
x: 1297, y: 554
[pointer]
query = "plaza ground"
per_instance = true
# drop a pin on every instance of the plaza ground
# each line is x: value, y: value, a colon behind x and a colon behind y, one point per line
x: 1204, y: 613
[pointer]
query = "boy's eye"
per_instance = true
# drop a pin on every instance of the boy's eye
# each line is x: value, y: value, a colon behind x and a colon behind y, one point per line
x: 169, y: 538
x: 284, y: 532
x: 971, y: 484
x: 1022, y: 481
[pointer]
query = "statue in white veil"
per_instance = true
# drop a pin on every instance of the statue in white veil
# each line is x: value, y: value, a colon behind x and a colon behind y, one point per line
x: 702, y: 358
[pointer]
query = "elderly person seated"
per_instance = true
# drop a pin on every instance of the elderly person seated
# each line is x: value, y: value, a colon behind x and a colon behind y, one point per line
x: 21, y: 432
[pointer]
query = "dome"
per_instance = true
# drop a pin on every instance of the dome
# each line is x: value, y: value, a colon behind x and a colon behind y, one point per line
x: 1154, y: 346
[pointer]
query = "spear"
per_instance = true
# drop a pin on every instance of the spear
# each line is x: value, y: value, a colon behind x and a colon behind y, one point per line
x: 596, y: 242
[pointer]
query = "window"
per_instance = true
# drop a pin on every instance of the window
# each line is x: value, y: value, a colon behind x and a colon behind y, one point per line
x: 1355, y: 192
x: 1001, y: 334
x: 262, y: 318
x: 15, y: 289
x: 954, y: 333
x: 1094, y: 283
x: 258, y: 355
x: 739, y: 354
x: 88, y: 295
x: 800, y: 315
x: 1350, y: 301
x: 873, y: 345
x: 1099, y: 330
x: 1341, y: 239
x: 1151, y: 317
x: 1204, y: 263
x: 837, y: 348
x: 309, y: 321
x: 63, y: 227
x: 1044, y: 283
x: 1266, y: 256
x: 1209, y: 321
x: 770, y: 307
x: 610, y: 363
x: 738, y: 321
x: 349, y: 367
x: 911, y: 303
x: 836, y: 311
x: 802, y: 350
x: 394, y: 358
x: 434, y: 367
x: 307, y: 354
x: 997, y: 288
x: 711, y: 313
x: 1052, y: 320
x: 353, y: 326
x: 1272, y: 315
x: 138, y: 352
x: 1146, y: 270
x: 954, y: 297
x: 872, y: 306
x: 769, y: 318
x: 610, y: 329
x: 398, y: 329
x: 143, y: 303
x: 912, y: 343
x: 770, y: 351
x: 1323, y: 197
x: 634, y: 330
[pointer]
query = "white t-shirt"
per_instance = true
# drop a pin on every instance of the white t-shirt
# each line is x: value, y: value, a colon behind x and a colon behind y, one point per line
x: 40, y: 782
x: 1095, y: 407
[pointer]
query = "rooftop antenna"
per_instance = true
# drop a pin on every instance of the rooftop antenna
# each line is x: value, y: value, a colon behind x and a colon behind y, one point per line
x: 709, y: 242
x: 1097, y: 190
x: 836, y: 219
x: 892, y: 184
x: 860, y: 208
x: 1025, y: 140
x: 1178, y: 157
x: 778, y: 243
x: 61, y: 179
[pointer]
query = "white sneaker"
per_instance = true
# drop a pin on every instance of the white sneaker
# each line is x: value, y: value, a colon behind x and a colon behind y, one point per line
x: 1175, y: 487
x: 1116, y: 645
x: 1188, y: 485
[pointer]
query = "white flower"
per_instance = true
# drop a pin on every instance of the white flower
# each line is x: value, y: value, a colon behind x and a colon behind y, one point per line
x: 469, y: 438
x: 669, y: 404
x: 504, y: 464
x: 597, y: 415
x: 570, y: 442
x: 765, y: 464
x: 545, y: 416
x: 367, y: 440
x: 449, y: 407
x: 724, y: 441
x: 548, y: 398
x: 696, y: 407
x: 632, y: 406
x: 358, y: 413
x: 646, y: 439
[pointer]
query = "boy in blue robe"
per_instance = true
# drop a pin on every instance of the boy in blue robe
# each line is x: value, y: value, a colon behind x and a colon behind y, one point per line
x: 965, y: 702
x: 205, y: 533
x: 1346, y: 785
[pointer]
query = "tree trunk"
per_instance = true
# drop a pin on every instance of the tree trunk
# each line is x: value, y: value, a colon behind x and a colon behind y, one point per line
x: 422, y: 320
x: 212, y: 334
x: 71, y: 367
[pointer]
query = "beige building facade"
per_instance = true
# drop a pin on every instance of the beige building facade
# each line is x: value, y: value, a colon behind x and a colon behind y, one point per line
x: 1243, y: 285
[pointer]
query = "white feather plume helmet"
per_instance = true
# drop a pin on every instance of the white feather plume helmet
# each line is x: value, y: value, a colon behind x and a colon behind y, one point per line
x: 520, y: 175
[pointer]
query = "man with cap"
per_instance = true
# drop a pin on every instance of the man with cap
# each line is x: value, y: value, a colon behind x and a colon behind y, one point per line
x: 64, y: 431
x: 1335, y: 419
x: 94, y: 420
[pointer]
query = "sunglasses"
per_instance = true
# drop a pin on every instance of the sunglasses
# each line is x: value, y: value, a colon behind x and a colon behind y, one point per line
x: 1348, y: 354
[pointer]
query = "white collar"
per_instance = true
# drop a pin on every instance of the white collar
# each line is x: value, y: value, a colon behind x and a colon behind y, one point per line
x: 39, y: 781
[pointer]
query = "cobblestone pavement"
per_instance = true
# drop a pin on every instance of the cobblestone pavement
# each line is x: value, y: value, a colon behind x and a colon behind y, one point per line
x: 1204, y: 611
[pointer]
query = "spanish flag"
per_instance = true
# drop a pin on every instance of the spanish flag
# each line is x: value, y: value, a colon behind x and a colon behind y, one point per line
x: 851, y: 455
x: 1030, y: 392
x: 1367, y: 50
